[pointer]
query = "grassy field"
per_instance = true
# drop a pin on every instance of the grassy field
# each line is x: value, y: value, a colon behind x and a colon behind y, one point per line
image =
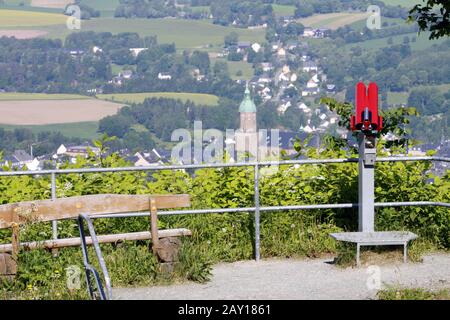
x: 422, y: 42
x: 235, y: 66
x: 361, y: 24
x: 283, y: 10
x: 332, y: 20
x: 197, y: 98
x: 106, y: 7
x: 399, y: 98
x: 402, y: 3
x: 186, y: 34
x: 20, y: 18
x: 83, y: 130
x: 20, y: 96
x: 59, y: 4
x: 200, y: 9
x: 16, y: 2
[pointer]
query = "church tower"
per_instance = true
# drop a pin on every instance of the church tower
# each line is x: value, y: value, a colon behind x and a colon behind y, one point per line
x: 247, y: 112
x: 247, y: 135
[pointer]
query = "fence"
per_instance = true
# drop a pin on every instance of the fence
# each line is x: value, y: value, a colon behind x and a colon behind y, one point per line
x: 256, y: 209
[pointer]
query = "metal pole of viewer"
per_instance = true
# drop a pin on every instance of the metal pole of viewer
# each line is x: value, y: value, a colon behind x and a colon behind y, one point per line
x: 366, y: 183
x: 54, y: 222
x: 257, y: 214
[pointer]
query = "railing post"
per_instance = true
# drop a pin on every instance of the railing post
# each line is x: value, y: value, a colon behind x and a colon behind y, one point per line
x: 257, y: 215
x: 54, y: 222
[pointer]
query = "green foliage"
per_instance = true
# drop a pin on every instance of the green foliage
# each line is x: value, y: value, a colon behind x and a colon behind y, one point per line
x: 413, y: 294
x: 224, y: 237
x: 434, y: 16
x: 395, y: 120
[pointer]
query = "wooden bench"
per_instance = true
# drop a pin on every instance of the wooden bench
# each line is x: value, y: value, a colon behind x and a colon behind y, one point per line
x: 165, y: 243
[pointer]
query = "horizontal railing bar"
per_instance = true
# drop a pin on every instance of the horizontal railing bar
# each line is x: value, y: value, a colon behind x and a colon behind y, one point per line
x: 403, y: 158
x: 273, y: 208
x: 214, y: 165
x: 412, y: 203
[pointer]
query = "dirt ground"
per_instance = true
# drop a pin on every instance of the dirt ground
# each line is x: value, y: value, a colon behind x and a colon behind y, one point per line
x: 302, y: 279
x: 50, y: 3
x: 40, y: 112
x: 22, y: 34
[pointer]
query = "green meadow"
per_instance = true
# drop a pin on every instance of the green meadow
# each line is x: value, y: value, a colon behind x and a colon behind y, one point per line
x: 83, y: 130
x: 129, y: 98
x: 21, y: 96
x: 401, y: 3
x: 422, y: 42
x: 283, y: 10
x: 399, y: 98
x: 186, y: 34
x: 106, y: 7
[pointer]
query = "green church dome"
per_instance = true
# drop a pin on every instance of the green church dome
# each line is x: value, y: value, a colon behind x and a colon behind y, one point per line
x: 247, y: 105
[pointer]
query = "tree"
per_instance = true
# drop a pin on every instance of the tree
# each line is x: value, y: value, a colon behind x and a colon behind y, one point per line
x: 231, y: 39
x: 433, y: 16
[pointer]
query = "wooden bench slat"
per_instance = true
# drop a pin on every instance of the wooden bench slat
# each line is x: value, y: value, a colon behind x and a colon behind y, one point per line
x: 65, y: 208
x: 110, y: 238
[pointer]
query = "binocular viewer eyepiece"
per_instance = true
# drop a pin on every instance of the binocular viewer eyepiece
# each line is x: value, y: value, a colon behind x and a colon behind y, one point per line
x: 366, y: 118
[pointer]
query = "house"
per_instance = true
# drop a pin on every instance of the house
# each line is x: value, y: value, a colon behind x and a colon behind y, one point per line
x: 281, y: 52
x: 61, y: 150
x: 266, y: 66
x: 197, y: 74
x: 321, y: 32
x: 256, y: 47
x: 283, y: 107
x: 136, y: 51
x: 19, y: 159
x: 126, y: 74
x: 243, y: 45
x: 283, y: 77
x: 264, y: 79
x: 305, y: 58
x: 96, y: 50
x: 311, y: 84
x: 307, y: 129
x: 164, y: 76
x: 309, y: 66
x: 116, y: 81
x: 293, y: 77
x: 310, y: 92
x: 304, y: 108
x: 76, y: 53
x: 322, y: 116
x: 325, y: 124
x: 309, y: 32
x: 82, y: 151
x: 331, y: 88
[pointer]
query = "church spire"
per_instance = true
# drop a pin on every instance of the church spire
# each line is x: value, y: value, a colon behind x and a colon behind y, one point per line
x: 247, y: 104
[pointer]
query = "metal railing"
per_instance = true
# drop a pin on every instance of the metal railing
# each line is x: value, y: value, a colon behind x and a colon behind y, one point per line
x: 98, y: 290
x: 256, y: 209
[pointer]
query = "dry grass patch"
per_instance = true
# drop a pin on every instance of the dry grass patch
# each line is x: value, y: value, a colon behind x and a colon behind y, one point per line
x: 23, y: 34
x: 333, y: 20
x: 50, y: 3
x: 40, y: 112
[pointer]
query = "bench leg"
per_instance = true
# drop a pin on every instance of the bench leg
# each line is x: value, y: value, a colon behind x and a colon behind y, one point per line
x: 405, y: 252
x: 358, y: 251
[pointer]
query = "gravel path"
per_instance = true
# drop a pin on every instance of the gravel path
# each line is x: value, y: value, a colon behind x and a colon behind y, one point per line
x: 299, y: 279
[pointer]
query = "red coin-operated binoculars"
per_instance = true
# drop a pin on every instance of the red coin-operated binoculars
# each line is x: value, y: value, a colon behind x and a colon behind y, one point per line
x: 367, y: 123
x: 366, y: 118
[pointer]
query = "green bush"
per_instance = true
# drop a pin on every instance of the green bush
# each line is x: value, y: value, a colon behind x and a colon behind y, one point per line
x: 223, y: 237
